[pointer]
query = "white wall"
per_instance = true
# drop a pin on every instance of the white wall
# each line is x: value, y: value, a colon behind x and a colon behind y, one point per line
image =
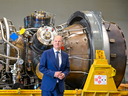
x: 112, y: 10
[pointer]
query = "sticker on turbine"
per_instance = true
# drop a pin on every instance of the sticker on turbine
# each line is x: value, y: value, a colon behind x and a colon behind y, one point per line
x: 22, y: 31
x: 100, y: 79
x: 13, y: 36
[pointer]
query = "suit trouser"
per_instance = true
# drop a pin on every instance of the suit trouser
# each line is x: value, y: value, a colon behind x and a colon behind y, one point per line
x: 55, y: 92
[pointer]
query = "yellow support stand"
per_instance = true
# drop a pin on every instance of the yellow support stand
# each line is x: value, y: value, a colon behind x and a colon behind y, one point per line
x: 20, y: 92
x: 100, y: 78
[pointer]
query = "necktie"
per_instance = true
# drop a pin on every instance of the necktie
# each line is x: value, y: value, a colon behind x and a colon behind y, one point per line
x: 57, y: 58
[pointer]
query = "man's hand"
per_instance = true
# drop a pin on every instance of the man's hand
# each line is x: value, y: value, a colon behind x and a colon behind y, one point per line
x: 57, y: 74
x: 61, y: 76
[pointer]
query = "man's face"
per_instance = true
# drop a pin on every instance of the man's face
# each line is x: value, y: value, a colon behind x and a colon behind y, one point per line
x: 57, y: 42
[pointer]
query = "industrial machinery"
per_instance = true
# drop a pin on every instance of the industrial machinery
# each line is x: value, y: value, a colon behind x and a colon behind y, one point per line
x: 83, y: 33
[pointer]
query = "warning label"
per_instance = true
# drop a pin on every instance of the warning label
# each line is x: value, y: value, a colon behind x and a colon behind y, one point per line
x: 100, y: 79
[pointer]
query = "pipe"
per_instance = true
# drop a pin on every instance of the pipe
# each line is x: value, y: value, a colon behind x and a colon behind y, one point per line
x: 14, y: 74
x: 8, y: 46
x: 10, y: 22
x: 75, y: 57
x: 13, y: 27
x: 31, y: 29
x: 73, y: 30
x: 8, y: 57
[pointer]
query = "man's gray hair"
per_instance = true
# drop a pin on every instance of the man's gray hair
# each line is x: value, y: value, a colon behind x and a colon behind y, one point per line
x: 58, y: 35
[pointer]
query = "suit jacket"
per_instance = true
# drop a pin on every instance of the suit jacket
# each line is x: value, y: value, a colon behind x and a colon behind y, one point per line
x: 48, y: 66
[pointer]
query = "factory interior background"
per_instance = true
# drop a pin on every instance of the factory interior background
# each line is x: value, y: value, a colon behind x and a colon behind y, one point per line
x: 112, y: 10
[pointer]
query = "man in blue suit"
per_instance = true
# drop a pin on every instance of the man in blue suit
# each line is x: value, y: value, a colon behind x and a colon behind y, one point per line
x: 54, y: 64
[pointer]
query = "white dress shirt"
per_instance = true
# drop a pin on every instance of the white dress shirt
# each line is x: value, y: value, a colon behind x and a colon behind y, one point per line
x: 59, y: 56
